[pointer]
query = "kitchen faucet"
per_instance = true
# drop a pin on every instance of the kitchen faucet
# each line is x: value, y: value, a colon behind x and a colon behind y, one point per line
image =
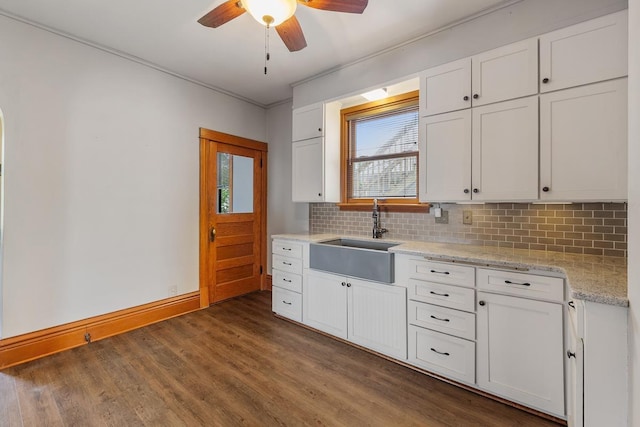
x: 377, y: 230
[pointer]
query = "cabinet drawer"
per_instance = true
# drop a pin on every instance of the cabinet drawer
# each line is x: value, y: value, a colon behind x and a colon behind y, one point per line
x: 443, y: 354
x: 447, y: 320
x: 444, y: 295
x: 290, y: 265
x: 287, y: 303
x: 286, y: 280
x: 520, y: 284
x: 286, y: 248
x: 440, y: 272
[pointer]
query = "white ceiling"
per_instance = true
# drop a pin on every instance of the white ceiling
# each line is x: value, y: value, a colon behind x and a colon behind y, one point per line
x: 165, y: 33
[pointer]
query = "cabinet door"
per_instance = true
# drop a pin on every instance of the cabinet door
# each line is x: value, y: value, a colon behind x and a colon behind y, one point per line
x: 505, y: 151
x: 585, y: 53
x: 520, y: 351
x: 307, y: 170
x: 308, y: 122
x: 505, y: 73
x: 575, y: 377
x: 324, y: 303
x: 583, y: 143
x: 445, y: 154
x: 446, y: 88
x: 378, y: 317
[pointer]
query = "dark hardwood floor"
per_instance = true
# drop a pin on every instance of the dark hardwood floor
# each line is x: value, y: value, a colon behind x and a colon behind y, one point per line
x: 235, y: 364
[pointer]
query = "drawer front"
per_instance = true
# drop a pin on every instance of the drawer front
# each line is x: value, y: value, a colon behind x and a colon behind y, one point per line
x: 520, y: 284
x: 286, y: 280
x: 443, y: 295
x: 449, y: 273
x: 443, y: 354
x: 290, y: 265
x: 287, y: 248
x: 442, y: 319
x: 287, y: 303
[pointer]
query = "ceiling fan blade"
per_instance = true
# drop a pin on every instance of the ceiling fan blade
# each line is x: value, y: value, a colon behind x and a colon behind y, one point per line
x: 348, y: 6
x: 222, y: 14
x: 291, y: 34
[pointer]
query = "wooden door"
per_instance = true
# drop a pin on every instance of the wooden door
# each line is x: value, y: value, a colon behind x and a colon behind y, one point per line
x: 232, y: 216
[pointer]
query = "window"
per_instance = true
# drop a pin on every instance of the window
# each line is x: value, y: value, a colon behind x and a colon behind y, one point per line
x: 380, y: 154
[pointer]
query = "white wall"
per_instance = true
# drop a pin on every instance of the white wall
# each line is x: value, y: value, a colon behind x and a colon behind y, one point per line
x: 101, y: 178
x: 283, y: 216
x: 522, y: 20
x: 634, y: 212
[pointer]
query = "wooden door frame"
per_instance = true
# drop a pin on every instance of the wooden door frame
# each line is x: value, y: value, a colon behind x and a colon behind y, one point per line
x: 206, y: 136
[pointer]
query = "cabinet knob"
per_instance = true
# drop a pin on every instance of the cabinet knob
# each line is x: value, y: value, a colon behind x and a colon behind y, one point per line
x: 545, y: 189
x: 570, y: 354
x: 466, y: 98
x: 545, y: 80
x: 348, y: 285
x: 344, y: 283
x: 319, y: 129
x: 482, y: 303
x: 475, y: 190
x: 466, y: 191
x: 320, y: 194
x: 476, y: 96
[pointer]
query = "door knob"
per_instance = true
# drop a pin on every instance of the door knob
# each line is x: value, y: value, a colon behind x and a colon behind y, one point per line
x: 212, y: 234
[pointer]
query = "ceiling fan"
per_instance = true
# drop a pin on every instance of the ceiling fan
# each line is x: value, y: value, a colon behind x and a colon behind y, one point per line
x: 278, y: 14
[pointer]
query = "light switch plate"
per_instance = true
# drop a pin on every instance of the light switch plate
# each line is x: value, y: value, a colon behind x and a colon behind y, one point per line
x: 467, y: 217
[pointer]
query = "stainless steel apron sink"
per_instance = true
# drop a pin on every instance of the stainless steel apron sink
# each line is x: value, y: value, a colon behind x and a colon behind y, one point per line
x: 365, y: 259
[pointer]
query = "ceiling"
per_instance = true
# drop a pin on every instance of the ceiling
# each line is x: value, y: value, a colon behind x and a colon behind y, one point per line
x: 231, y: 58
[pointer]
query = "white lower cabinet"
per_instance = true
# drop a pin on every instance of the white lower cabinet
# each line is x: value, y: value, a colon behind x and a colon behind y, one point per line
x: 287, y: 264
x: 366, y: 313
x: 520, y: 351
x: 443, y: 354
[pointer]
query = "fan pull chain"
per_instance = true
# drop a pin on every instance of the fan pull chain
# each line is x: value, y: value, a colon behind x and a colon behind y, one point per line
x: 267, y: 56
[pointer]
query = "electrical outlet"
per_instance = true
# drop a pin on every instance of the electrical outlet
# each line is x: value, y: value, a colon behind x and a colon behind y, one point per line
x: 173, y: 291
x: 467, y: 217
x: 444, y: 218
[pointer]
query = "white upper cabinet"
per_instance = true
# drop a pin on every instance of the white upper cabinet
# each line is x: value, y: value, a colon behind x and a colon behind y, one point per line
x: 446, y: 147
x: 500, y: 74
x: 308, y: 122
x: 315, y: 153
x: 583, y: 143
x: 488, y: 153
x: 505, y: 151
x: 588, y: 52
x: 504, y: 73
x: 446, y: 88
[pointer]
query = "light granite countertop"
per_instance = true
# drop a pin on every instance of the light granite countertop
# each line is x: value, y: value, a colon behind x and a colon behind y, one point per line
x: 589, y: 277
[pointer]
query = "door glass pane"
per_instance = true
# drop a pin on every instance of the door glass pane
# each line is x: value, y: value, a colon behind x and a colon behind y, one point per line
x: 235, y: 184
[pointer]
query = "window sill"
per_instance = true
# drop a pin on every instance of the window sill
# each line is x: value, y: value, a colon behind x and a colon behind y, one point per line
x: 407, y: 207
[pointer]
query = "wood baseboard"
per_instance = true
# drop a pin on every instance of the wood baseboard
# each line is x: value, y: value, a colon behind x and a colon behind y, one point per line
x: 268, y: 283
x: 35, y: 345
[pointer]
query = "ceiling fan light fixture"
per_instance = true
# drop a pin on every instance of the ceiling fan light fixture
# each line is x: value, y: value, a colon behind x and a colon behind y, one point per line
x: 270, y: 13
